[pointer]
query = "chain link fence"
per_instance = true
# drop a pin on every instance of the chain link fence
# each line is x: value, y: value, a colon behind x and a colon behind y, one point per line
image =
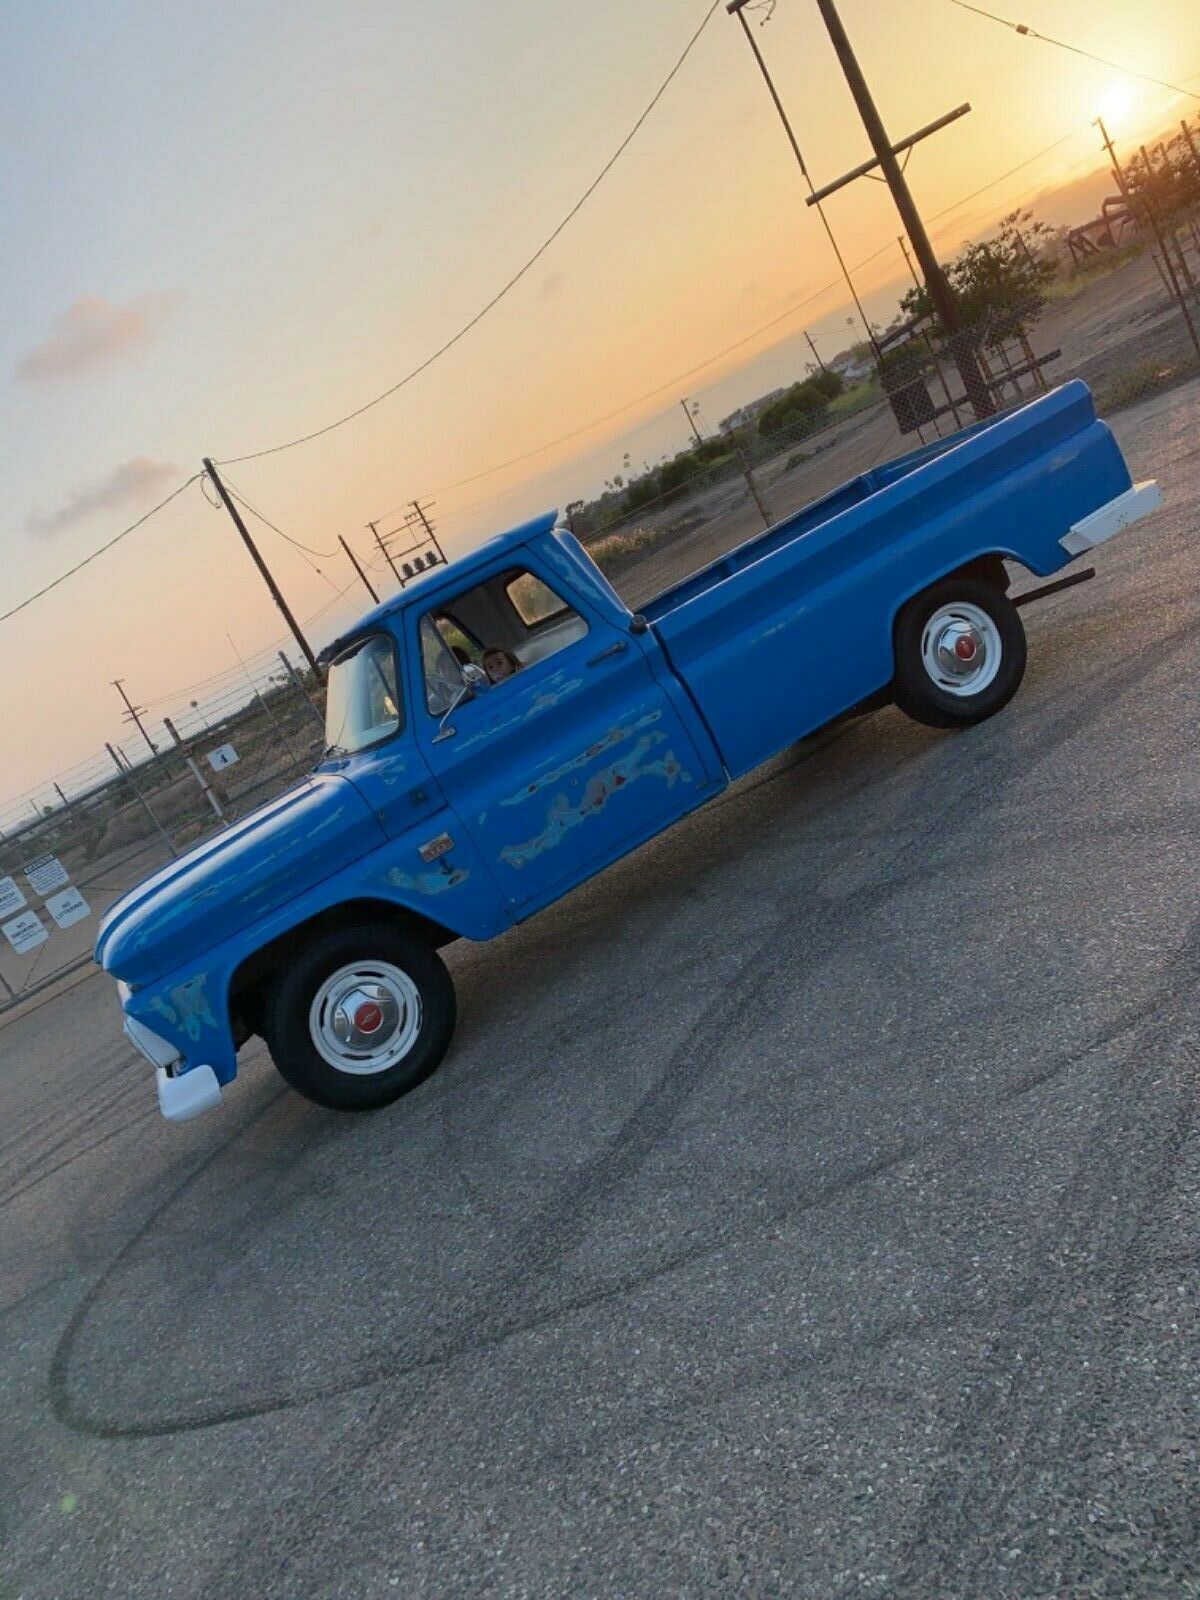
x: 80, y: 841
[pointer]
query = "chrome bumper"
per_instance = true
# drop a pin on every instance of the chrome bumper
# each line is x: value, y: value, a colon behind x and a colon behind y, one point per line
x: 1112, y: 518
x: 180, y: 1098
x: 190, y: 1095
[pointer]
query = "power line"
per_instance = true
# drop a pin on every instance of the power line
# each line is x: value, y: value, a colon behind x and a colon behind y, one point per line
x: 562, y: 438
x: 87, y: 560
x: 290, y: 444
x: 671, y: 383
x: 324, y: 555
x: 1062, y: 44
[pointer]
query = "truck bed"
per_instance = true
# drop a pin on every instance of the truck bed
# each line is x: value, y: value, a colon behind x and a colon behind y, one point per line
x: 788, y: 629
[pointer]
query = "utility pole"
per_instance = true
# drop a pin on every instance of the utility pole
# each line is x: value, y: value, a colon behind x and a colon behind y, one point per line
x: 135, y: 714
x: 939, y: 289
x: 691, y: 422
x: 424, y: 520
x: 264, y: 570
x: 908, y: 261
x: 735, y: 8
x: 430, y: 534
x: 815, y: 351
x: 354, y: 562
x: 374, y: 527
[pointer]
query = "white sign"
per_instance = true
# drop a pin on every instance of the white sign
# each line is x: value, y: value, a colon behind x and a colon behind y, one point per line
x: 25, y: 932
x: 11, y: 898
x: 223, y: 756
x: 46, y: 874
x: 68, y: 908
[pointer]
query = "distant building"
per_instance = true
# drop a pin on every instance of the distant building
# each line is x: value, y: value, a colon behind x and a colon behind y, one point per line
x: 852, y: 365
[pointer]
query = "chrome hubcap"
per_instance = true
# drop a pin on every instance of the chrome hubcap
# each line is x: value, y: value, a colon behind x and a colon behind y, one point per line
x: 365, y: 1017
x: 961, y: 648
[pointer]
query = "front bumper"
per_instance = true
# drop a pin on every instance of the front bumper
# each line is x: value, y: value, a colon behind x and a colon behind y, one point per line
x: 1112, y: 518
x: 190, y: 1095
x: 183, y: 1095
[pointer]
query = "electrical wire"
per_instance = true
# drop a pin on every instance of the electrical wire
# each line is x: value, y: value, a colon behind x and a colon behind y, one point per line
x: 290, y: 444
x: 1062, y: 44
x: 87, y: 560
x: 246, y: 505
x: 681, y: 377
x: 562, y: 438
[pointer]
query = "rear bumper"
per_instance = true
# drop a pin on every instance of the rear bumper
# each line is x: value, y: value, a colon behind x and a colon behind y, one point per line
x: 1112, y: 518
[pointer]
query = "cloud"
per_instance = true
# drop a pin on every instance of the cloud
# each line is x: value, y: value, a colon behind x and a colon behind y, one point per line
x: 93, y: 335
x: 129, y: 484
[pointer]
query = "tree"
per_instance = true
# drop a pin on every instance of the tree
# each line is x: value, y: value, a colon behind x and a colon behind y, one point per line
x: 999, y: 284
x: 801, y: 405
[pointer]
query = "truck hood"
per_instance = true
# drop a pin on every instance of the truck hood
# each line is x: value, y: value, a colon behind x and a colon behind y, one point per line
x: 236, y: 878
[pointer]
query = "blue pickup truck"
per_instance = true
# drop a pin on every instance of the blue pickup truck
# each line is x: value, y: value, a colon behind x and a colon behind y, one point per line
x: 506, y: 728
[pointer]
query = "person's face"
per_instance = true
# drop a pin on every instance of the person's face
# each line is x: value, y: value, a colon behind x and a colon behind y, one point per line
x: 496, y: 666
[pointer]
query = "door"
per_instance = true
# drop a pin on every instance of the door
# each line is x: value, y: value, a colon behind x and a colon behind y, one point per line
x: 572, y: 755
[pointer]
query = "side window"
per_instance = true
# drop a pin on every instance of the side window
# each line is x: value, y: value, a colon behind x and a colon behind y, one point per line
x: 443, y: 673
x: 464, y: 646
x: 535, y: 602
x: 507, y: 624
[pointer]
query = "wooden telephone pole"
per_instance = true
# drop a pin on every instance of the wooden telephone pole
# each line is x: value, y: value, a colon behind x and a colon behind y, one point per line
x: 939, y: 289
x: 264, y: 571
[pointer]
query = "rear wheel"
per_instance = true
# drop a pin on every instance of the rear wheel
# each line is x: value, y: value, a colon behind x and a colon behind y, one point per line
x: 960, y: 654
x: 360, y: 1017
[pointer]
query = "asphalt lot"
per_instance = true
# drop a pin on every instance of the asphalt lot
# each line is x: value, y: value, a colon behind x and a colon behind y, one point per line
x: 809, y: 1206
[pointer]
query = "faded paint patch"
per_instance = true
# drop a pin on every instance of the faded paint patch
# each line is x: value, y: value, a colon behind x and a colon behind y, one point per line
x: 608, y: 741
x: 186, y: 1007
x: 525, y: 704
x: 433, y: 882
x: 563, y: 816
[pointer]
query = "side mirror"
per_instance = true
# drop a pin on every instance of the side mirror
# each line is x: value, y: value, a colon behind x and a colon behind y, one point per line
x: 475, y: 681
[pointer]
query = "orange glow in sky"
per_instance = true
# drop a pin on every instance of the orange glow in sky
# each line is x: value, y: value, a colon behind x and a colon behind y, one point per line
x: 215, y: 250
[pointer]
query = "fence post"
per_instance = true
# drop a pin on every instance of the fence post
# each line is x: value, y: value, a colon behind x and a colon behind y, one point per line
x: 258, y: 695
x: 748, y: 474
x: 127, y: 774
x: 210, y: 793
x: 299, y: 682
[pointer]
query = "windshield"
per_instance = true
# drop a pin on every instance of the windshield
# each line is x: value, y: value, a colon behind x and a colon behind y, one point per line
x: 363, y: 704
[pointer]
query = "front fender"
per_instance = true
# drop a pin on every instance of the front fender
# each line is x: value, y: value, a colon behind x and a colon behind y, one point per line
x: 190, y: 1007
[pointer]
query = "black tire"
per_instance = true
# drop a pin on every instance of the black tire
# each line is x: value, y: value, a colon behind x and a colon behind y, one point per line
x: 918, y: 693
x: 290, y: 1037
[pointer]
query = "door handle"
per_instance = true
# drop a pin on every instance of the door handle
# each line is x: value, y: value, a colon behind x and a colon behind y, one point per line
x: 613, y: 650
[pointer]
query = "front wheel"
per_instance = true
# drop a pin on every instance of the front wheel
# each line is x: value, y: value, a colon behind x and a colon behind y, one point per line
x: 960, y: 654
x: 360, y: 1017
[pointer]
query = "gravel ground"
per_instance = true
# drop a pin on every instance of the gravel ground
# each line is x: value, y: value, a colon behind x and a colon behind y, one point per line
x: 809, y: 1206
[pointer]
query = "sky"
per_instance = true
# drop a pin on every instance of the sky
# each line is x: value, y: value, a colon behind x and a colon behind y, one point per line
x: 229, y: 224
